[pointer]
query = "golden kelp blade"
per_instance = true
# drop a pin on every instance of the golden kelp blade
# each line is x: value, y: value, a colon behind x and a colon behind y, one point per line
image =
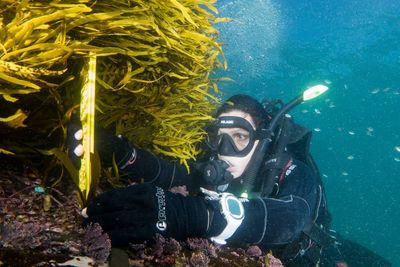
x: 16, y: 120
x: 87, y: 119
x: 6, y: 152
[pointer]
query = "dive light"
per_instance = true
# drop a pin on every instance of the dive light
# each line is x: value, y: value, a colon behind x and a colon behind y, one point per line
x: 308, y: 94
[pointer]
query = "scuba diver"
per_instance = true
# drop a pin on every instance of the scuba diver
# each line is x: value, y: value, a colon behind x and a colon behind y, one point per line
x: 257, y: 184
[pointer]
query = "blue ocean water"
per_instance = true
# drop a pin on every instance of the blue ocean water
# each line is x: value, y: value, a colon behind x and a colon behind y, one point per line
x: 275, y: 49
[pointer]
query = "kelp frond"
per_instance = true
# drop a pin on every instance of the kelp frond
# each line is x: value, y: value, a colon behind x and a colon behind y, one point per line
x: 154, y: 61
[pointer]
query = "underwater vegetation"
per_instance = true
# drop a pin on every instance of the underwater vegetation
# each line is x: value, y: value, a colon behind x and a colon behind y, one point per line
x: 153, y: 62
x: 153, y: 85
x: 38, y: 224
x: 38, y: 232
x: 153, y: 65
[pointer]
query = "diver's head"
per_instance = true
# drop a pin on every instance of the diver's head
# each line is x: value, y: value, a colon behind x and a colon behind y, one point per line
x: 236, y: 133
x: 246, y: 104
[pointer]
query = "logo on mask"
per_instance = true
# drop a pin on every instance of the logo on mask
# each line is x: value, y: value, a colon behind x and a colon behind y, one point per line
x: 227, y: 121
x: 161, y: 224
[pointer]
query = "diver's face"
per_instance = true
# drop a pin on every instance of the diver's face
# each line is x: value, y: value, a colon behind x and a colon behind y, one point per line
x: 237, y: 165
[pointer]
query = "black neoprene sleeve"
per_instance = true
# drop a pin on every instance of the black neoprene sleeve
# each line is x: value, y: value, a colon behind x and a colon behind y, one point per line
x: 158, y: 171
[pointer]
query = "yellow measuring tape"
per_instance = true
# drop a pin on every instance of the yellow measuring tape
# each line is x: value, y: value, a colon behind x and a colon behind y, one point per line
x: 87, y: 111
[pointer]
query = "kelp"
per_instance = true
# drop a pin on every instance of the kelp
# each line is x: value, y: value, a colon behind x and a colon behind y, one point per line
x: 154, y: 61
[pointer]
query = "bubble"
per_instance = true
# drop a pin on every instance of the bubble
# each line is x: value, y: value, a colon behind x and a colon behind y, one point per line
x: 249, y: 19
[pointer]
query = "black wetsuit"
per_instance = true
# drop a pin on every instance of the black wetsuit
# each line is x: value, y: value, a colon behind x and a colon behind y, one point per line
x: 275, y: 222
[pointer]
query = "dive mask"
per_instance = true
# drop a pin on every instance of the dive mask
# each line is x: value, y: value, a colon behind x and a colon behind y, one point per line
x: 231, y: 136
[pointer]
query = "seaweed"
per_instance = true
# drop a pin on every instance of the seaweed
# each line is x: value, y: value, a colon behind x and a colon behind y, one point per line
x: 95, y: 243
x: 31, y: 236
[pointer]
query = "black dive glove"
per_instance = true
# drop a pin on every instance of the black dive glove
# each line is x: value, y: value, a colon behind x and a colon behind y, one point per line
x: 136, y: 213
x: 107, y: 144
x: 215, y: 173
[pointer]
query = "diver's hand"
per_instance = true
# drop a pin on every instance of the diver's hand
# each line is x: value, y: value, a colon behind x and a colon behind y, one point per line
x: 108, y: 145
x: 136, y: 213
x: 215, y: 173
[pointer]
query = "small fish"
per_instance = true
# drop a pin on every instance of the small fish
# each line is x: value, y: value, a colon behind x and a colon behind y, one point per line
x: 317, y: 129
x: 397, y: 148
x: 345, y: 173
x: 317, y: 111
x: 375, y: 91
x: 397, y: 159
x: 351, y: 133
x: 351, y: 157
x: 370, y: 129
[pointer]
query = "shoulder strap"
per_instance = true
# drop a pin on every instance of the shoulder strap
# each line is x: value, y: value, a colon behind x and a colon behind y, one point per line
x: 274, y: 168
x: 278, y: 156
